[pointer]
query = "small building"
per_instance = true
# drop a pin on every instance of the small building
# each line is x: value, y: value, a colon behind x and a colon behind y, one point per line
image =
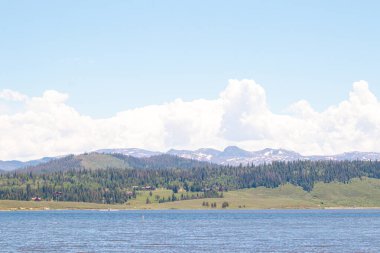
x: 148, y: 188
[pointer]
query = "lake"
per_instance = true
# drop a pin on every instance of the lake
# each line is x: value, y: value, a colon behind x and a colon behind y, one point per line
x: 191, y: 231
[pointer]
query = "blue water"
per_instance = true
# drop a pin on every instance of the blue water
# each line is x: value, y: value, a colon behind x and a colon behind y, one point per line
x: 191, y: 231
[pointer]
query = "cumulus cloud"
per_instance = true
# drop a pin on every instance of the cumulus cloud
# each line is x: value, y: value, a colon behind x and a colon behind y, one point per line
x: 12, y: 95
x: 238, y: 116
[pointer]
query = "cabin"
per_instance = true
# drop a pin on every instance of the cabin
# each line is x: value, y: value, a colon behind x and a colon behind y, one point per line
x: 144, y: 188
x: 36, y: 198
x: 148, y: 188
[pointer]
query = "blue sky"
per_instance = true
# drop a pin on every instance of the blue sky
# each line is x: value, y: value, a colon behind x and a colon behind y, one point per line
x: 76, y: 76
x: 110, y: 56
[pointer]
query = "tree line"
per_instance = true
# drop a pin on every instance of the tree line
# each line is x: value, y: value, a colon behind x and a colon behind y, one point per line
x: 115, y: 185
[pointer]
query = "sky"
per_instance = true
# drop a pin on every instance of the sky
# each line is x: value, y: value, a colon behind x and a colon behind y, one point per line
x: 80, y: 75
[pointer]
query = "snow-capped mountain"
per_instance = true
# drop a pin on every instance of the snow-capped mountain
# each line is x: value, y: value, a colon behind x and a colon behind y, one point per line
x: 135, y: 152
x: 203, y: 154
x: 233, y: 155
x: 351, y: 156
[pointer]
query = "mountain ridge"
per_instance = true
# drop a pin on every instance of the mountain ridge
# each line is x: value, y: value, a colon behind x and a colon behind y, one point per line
x: 15, y: 164
x: 96, y: 161
x: 231, y: 155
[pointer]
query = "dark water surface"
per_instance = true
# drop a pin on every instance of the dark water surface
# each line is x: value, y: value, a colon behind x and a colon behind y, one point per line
x: 191, y: 231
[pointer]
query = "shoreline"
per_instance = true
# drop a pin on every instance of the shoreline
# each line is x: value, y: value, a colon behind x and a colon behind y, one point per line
x: 31, y: 209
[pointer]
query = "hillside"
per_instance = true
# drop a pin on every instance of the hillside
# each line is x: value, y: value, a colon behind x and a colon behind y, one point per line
x: 163, y: 161
x: 77, y: 179
x: 93, y: 161
x: 359, y: 193
x: 362, y: 193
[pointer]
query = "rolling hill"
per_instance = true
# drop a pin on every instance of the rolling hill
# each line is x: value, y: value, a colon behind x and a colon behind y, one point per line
x: 93, y: 161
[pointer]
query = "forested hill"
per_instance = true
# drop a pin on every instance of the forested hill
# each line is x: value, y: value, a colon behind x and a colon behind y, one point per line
x: 93, y: 161
x: 114, y: 185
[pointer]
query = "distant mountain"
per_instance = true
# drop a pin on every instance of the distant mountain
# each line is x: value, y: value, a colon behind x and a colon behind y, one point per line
x: 362, y: 156
x: 200, y: 154
x: 233, y: 155
x: 92, y: 161
x: 12, y: 165
x: 135, y: 152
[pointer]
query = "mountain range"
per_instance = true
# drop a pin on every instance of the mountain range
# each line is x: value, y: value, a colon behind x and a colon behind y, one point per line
x: 231, y: 155
x: 14, y: 164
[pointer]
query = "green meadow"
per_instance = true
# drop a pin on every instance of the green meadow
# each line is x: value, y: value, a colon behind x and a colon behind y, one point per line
x: 359, y: 193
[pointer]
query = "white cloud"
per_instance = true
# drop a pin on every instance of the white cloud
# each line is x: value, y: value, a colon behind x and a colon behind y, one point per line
x: 239, y: 116
x: 12, y: 95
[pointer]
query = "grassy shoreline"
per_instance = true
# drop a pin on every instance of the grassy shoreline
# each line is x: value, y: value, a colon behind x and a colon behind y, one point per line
x: 358, y: 194
x: 25, y: 206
